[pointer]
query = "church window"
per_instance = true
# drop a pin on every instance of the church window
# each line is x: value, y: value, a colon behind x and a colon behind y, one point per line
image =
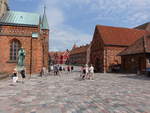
x: 14, y: 48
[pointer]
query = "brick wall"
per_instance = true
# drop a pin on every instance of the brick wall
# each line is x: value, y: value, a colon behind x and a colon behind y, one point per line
x: 79, y: 59
x: 97, y: 52
x: 24, y: 35
x: 103, y: 56
x: 111, y: 56
x: 133, y: 63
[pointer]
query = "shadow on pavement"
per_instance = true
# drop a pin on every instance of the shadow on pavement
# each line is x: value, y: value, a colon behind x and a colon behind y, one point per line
x: 140, y: 77
x: 78, y: 79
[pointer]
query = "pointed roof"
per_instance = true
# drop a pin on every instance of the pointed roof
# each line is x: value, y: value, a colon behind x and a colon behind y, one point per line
x: 74, y: 46
x: 142, y: 45
x: 44, y: 24
x: 119, y: 36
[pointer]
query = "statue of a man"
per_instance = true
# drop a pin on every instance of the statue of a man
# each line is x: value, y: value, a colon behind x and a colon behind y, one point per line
x: 21, y: 57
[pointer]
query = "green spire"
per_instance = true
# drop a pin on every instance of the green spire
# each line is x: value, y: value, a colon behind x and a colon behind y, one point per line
x: 44, y: 21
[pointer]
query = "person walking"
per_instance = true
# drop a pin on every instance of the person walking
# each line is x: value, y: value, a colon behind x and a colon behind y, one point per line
x: 83, y: 73
x: 51, y: 68
x: 68, y: 68
x: 72, y: 68
x: 55, y: 69
x: 15, y: 76
x: 23, y: 76
x: 91, y: 72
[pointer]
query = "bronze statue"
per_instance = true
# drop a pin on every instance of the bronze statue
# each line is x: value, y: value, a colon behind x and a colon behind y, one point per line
x: 21, y: 57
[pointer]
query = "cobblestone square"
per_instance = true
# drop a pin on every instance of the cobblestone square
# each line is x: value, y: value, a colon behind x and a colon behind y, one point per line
x: 107, y: 93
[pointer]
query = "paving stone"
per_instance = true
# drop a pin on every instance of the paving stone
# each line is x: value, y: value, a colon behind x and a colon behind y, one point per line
x: 107, y: 93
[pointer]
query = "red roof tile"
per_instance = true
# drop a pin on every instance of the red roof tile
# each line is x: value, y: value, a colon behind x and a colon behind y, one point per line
x: 59, y: 53
x: 119, y: 36
x: 142, y: 45
x: 79, y: 50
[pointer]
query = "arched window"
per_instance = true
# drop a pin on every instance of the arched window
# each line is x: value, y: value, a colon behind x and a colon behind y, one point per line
x: 14, y: 48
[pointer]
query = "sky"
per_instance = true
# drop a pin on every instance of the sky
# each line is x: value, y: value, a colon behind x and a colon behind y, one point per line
x: 73, y: 21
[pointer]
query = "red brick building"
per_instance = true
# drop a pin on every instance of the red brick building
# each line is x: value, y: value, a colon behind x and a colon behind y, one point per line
x: 58, y: 57
x: 108, y: 42
x: 136, y: 58
x: 78, y: 55
x: 27, y: 30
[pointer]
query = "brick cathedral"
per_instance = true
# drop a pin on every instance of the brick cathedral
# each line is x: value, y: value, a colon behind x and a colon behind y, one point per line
x: 27, y: 30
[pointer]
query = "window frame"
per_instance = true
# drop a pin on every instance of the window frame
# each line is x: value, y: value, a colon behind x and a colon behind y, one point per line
x: 15, y: 45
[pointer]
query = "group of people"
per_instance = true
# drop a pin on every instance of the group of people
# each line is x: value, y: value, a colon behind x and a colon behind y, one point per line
x: 15, y: 75
x: 87, y: 72
x: 70, y: 68
x: 57, y: 69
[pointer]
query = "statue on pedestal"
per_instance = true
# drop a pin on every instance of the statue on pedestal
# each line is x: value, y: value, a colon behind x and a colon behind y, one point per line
x: 21, y: 58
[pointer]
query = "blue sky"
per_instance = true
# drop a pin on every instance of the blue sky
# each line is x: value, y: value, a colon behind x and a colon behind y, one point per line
x: 74, y: 21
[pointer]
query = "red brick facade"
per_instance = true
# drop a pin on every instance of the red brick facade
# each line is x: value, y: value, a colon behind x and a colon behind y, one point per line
x: 36, y: 48
x: 136, y: 57
x: 58, y: 57
x: 78, y: 55
x: 134, y: 63
x: 108, y: 42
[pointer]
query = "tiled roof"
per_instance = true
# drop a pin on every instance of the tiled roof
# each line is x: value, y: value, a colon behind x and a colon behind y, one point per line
x: 55, y: 53
x: 20, y: 18
x: 79, y: 50
x: 119, y: 36
x: 59, y: 53
x: 142, y: 45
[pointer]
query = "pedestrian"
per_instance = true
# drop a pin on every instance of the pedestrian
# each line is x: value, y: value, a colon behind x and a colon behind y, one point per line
x: 83, y: 72
x: 43, y: 71
x: 91, y: 72
x: 15, y: 76
x: 58, y: 71
x: 60, y: 68
x: 55, y: 70
x: 72, y: 68
x: 68, y: 68
x: 22, y: 72
x: 64, y: 69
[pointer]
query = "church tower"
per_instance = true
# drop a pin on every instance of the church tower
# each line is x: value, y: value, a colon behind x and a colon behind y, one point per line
x: 3, y: 7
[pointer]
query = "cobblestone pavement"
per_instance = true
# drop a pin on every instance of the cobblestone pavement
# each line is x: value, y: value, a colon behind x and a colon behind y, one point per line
x: 108, y: 93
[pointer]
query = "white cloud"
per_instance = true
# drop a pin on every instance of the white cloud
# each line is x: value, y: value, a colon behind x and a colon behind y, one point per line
x: 139, y: 17
x: 63, y: 36
x: 55, y: 17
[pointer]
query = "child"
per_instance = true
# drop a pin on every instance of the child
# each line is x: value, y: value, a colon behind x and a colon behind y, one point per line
x: 14, y: 76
